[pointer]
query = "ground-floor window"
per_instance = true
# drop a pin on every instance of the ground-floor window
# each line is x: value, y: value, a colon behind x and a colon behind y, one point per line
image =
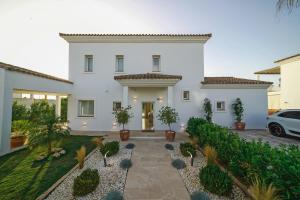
x: 220, y: 106
x: 186, y: 95
x: 117, y: 105
x: 86, y: 108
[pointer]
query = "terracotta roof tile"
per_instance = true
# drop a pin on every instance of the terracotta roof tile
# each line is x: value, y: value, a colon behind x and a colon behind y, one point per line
x: 232, y: 80
x: 30, y: 72
x: 147, y: 76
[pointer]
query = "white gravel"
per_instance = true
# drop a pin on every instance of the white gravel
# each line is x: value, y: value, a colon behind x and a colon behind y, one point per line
x: 190, y: 175
x: 111, y: 178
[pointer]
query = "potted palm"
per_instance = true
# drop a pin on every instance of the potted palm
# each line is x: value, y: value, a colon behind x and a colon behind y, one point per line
x: 122, y: 117
x: 168, y: 116
x: 238, y: 111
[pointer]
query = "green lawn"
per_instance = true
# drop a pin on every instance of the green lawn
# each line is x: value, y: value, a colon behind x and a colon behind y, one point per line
x: 21, y: 178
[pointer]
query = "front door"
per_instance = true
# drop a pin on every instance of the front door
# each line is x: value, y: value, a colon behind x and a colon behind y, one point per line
x: 147, y: 116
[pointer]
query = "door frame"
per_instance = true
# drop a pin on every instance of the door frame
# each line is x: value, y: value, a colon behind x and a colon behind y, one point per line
x: 153, y: 110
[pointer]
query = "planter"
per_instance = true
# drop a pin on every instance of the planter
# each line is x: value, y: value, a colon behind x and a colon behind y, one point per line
x: 124, y: 135
x: 240, y: 126
x: 170, y: 135
x: 17, y: 141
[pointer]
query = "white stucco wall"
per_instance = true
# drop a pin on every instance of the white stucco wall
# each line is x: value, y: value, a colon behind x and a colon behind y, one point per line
x: 184, y: 59
x: 290, y: 82
x: 255, y: 106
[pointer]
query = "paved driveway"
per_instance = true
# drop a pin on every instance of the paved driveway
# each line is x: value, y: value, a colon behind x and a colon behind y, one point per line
x: 267, y: 137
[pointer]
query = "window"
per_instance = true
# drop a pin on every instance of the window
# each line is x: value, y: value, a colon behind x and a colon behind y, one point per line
x: 290, y: 114
x: 186, y: 95
x: 119, y: 63
x: 156, y: 63
x: 117, y: 105
x: 220, y: 106
x: 86, y: 108
x: 88, y: 67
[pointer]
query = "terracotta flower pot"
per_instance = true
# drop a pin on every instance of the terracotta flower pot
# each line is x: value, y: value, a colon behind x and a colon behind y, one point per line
x: 170, y: 135
x: 124, y: 135
x: 17, y: 141
x: 240, y: 126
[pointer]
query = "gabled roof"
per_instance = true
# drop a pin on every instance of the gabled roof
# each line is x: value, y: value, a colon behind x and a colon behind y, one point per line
x: 233, y: 80
x: 273, y: 70
x: 147, y: 76
x: 91, y: 37
x: 290, y: 58
x: 14, y: 68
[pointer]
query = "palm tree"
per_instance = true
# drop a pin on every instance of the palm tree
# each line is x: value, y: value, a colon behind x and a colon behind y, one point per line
x: 289, y: 4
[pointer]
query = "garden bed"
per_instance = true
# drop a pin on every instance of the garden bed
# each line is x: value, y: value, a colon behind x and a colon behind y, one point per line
x: 112, y: 177
x: 190, y: 175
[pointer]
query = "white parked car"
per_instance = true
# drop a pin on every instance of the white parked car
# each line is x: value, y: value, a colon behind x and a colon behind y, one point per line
x: 285, y: 122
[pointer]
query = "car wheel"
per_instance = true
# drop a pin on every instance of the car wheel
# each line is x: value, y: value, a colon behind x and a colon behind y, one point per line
x: 276, y: 130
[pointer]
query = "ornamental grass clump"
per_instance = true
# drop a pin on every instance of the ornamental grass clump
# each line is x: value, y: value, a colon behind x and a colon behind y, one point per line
x: 211, y: 154
x: 98, y: 141
x: 261, y: 191
x: 125, y: 164
x: 199, y: 196
x: 178, y: 164
x: 86, y: 182
x: 111, y: 147
x: 215, y: 180
x: 80, y: 156
x: 169, y: 147
x: 114, y: 195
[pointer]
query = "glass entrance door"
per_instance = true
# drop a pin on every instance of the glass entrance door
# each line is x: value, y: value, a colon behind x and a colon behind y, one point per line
x: 147, y: 116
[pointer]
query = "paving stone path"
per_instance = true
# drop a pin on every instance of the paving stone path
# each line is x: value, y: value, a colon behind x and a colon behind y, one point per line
x: 152, y: 175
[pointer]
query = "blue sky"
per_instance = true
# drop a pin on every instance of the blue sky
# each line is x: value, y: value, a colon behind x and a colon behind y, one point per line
x: 247, y: 35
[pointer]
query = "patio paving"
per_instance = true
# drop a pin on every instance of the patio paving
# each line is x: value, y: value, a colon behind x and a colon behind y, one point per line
x: 152, y: 175
x: 267, y: 137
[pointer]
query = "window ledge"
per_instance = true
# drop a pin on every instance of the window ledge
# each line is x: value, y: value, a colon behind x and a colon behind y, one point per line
x: 88, y: 72
x: 85, y: 117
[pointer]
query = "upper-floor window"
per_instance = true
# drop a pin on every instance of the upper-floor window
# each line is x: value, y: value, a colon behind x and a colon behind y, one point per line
x: 88, y: 66
x: 117, y: 105
x: 119, y: 63
x: 156, y: 63
x: 86, y: 108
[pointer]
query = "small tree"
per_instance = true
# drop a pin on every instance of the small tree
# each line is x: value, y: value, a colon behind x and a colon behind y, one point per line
x: 238, y: 109
x: 123, y: 116
x: 19, y: 112
x: 46, y: 126
x: 168, y: 116
x: 207, y: 107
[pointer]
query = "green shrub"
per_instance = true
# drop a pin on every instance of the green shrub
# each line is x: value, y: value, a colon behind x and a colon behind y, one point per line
x: 130, y: 146
x: 86, y: 182
x: 19, y: 112
x: 277, y: 166
x: 187, y: 147
x: 193, y: 124
x: 125, y: 164
x: 114, y: 195
x: 169, y: 147
x: 20, y: 127
x: 215, y: 180
x: 178, y: 164
x: 112, y: 147
x: 199, y: 196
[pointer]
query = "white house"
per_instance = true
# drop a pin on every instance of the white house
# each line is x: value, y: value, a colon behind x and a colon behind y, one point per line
x: 148, y: 71
x: 287, y: 94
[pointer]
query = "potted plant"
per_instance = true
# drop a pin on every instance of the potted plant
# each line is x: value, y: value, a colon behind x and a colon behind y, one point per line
x: 207, y: 107
x: 19, y: 131
x: 122, y: 116
x: 168, y: 116
x: 238, y: 111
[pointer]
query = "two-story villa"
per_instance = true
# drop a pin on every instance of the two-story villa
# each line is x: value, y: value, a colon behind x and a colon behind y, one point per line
x: 148, y: 71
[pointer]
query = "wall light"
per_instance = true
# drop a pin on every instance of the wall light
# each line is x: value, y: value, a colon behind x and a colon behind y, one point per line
x: 84, y: 124
x: 134, y: 98
x: 160, y: 99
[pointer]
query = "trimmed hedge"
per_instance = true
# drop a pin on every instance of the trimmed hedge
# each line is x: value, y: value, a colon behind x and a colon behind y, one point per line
x: 113, y: 148
x: 187, y: 147
x: 279, y: 166
x: 215, y: 180
x: 86, y: 182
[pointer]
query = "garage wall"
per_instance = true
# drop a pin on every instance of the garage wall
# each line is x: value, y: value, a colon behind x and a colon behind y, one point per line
x: 255, y: 105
